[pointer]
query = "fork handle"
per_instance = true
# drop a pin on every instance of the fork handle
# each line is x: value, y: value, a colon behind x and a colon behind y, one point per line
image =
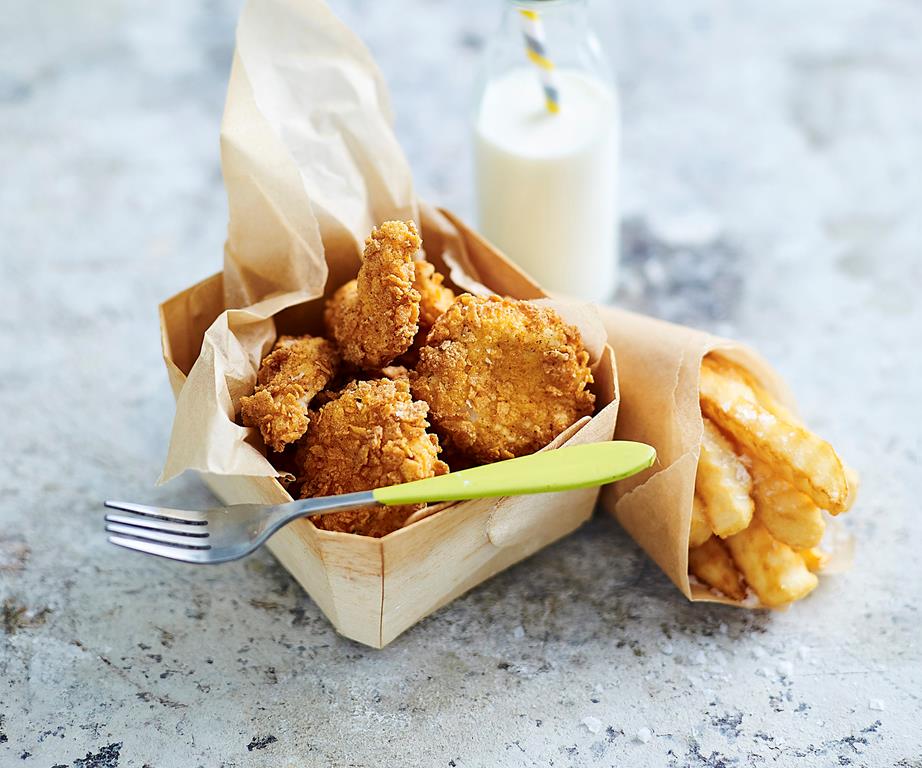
x: 563, y: 469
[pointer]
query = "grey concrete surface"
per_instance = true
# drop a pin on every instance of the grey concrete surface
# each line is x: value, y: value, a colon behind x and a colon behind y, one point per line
x: 772, y: 191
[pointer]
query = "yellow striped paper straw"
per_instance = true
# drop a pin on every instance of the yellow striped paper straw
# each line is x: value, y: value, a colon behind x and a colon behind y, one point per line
x: 533, y: 32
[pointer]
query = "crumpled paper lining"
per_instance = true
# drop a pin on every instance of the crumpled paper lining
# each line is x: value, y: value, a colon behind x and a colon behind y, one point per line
x: 311, y: 164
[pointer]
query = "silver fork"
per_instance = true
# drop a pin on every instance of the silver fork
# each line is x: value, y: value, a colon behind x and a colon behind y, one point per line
x: 227, y: 533
x: 214, y: 535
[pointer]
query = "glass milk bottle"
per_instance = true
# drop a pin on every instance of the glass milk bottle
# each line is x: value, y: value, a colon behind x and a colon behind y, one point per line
x: 546, y: 136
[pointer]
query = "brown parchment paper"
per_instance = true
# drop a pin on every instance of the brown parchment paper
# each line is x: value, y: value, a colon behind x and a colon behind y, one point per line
x: 659, y: 366
x: 311, y: 164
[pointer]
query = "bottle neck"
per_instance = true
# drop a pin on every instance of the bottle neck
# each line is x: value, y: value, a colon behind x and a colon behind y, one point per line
x: 573, y: 13
x: 559, y: 29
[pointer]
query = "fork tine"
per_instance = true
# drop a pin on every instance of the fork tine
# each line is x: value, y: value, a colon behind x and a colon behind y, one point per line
x: 162, y: 550
x: 165, y: 513
x: 148, y: 534
x: 190, y: 529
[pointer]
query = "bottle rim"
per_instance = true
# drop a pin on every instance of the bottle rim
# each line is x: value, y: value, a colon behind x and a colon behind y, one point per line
x: 542, y: 3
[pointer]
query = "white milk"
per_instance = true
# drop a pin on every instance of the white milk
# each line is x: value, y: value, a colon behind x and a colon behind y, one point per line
x: 547, y: 183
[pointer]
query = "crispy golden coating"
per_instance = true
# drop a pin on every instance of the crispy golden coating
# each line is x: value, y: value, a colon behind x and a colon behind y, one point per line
x: 789, y: 515
x: 723, y: 483
x: 502, y: 377
x: 297, y: 369
x: 711, y: 563
x: 765, y: 431
x: 374, y: 318
x: 776, y: 573
x: 372, y: 435
x: 435, y: 298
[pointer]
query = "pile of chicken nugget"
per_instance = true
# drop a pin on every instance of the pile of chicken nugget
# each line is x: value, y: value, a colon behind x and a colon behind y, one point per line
x: 409, y: 372
x: 764, y: 486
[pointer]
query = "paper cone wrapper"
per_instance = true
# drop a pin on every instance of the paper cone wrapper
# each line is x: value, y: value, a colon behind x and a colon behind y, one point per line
x: 659, y: 366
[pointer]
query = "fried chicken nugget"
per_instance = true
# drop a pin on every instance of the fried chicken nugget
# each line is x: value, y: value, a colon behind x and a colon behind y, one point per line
x: 502, y: 377
x: 297, y: 369
x: 374, y: 318
x: 435, y: 298
x: 372, y: 435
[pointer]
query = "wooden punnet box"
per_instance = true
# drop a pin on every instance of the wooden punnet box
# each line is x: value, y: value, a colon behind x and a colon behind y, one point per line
x: 374, y: 589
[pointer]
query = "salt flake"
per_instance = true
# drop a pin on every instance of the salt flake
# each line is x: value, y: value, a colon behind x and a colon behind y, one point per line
x: 593, y: 724
x: 876, y: 704
x: 643, y: 735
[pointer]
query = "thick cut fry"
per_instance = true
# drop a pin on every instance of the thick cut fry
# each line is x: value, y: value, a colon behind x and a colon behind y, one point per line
x: 814, y: 558
x: 711, y: 563
x: 789, y: 515
x: 808, y: 462
x: 776, y: 572
x: 723, y: 484
x: 700, y: 527
x: 854, y: 481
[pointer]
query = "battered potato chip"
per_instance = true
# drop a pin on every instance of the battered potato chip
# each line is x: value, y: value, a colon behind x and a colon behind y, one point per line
x: 711, y: 563
x: 776, y: 573
x: 723, y: 483
x: 814, y: 558
x: 808, y: 462
x: 700, y: 527
x: 789, y: 515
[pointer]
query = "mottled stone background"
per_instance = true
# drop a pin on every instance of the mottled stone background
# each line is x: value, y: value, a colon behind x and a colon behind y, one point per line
x: 772, y: 191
